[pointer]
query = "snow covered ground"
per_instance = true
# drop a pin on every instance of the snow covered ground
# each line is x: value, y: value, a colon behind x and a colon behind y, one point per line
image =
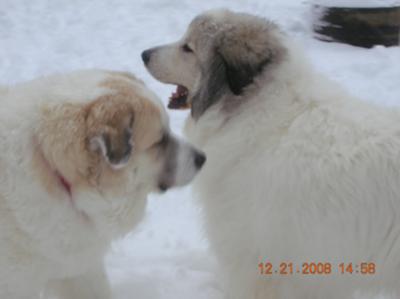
x: 167, y: 257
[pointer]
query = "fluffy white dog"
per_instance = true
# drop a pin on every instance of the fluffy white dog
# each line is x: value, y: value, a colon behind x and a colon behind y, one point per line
x: 301, y: 191
x: 79, y: 154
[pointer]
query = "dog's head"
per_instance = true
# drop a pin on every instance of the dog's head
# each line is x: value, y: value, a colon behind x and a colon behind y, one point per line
x: 221, y: 53
x: 116, y: 142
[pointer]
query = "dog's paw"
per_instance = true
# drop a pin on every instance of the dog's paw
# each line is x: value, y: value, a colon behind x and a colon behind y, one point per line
x: 109, y: 123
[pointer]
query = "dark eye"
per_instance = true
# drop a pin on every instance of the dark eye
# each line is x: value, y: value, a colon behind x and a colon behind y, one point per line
x: 186, y: 48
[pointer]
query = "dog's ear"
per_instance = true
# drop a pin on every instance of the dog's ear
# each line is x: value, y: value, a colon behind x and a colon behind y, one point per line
x: 247, y: 48
x: 241, y: 74
x: 109, y: 129
x: 115, y: 147
x: 241, y: 51
x: 211, y: 86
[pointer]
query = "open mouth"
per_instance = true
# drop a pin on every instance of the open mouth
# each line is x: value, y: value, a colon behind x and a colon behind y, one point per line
x: 179, y: 99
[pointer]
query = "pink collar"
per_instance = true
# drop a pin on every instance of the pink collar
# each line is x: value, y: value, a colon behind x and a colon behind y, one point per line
x: 64, y: 183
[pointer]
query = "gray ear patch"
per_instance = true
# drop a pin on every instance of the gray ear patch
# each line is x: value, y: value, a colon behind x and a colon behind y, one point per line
x: 116, y: 152
x: 220, y: 77
x: 247, y: 46
x: 212, y: 86
x: 239, y: 76
x: 244, y: 47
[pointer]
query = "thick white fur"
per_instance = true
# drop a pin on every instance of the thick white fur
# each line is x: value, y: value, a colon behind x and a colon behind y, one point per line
x: 39, y: 234
x: 300, y: 172
x: 49, y: 238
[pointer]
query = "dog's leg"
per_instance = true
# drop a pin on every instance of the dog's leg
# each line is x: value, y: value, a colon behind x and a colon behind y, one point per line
x: 91, y: 285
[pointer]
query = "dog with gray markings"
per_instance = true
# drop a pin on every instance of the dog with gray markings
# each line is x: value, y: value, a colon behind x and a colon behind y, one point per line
x: 80, y: 153
x: 299, y: 172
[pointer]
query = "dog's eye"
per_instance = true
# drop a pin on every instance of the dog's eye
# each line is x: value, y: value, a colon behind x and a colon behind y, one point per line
x: 186, y: 48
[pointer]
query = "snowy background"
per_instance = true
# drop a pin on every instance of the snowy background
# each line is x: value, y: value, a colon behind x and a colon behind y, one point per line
x: 167, y: 256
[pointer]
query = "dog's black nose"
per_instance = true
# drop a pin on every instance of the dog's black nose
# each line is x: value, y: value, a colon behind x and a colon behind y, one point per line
x: 146, y: 56
x: 199, y: 160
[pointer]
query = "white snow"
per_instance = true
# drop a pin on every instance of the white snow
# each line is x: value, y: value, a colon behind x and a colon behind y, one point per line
x: 167, y: 256
x: 358, y: 3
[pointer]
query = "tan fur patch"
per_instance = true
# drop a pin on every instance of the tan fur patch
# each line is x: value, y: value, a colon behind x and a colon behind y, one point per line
x: 147, y: 126
x: 60, y: 145
x: 126, y: 75
x: 62, y: 139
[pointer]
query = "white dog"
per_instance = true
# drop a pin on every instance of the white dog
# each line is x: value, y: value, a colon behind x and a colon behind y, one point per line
x: 300, y: 175
x: 79, y: 154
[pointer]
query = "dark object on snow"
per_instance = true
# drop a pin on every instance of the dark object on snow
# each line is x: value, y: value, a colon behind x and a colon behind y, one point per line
x: 358, y: 26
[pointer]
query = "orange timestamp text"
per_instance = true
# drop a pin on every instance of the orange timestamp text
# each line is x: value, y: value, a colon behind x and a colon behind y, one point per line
x: 317, y: 268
